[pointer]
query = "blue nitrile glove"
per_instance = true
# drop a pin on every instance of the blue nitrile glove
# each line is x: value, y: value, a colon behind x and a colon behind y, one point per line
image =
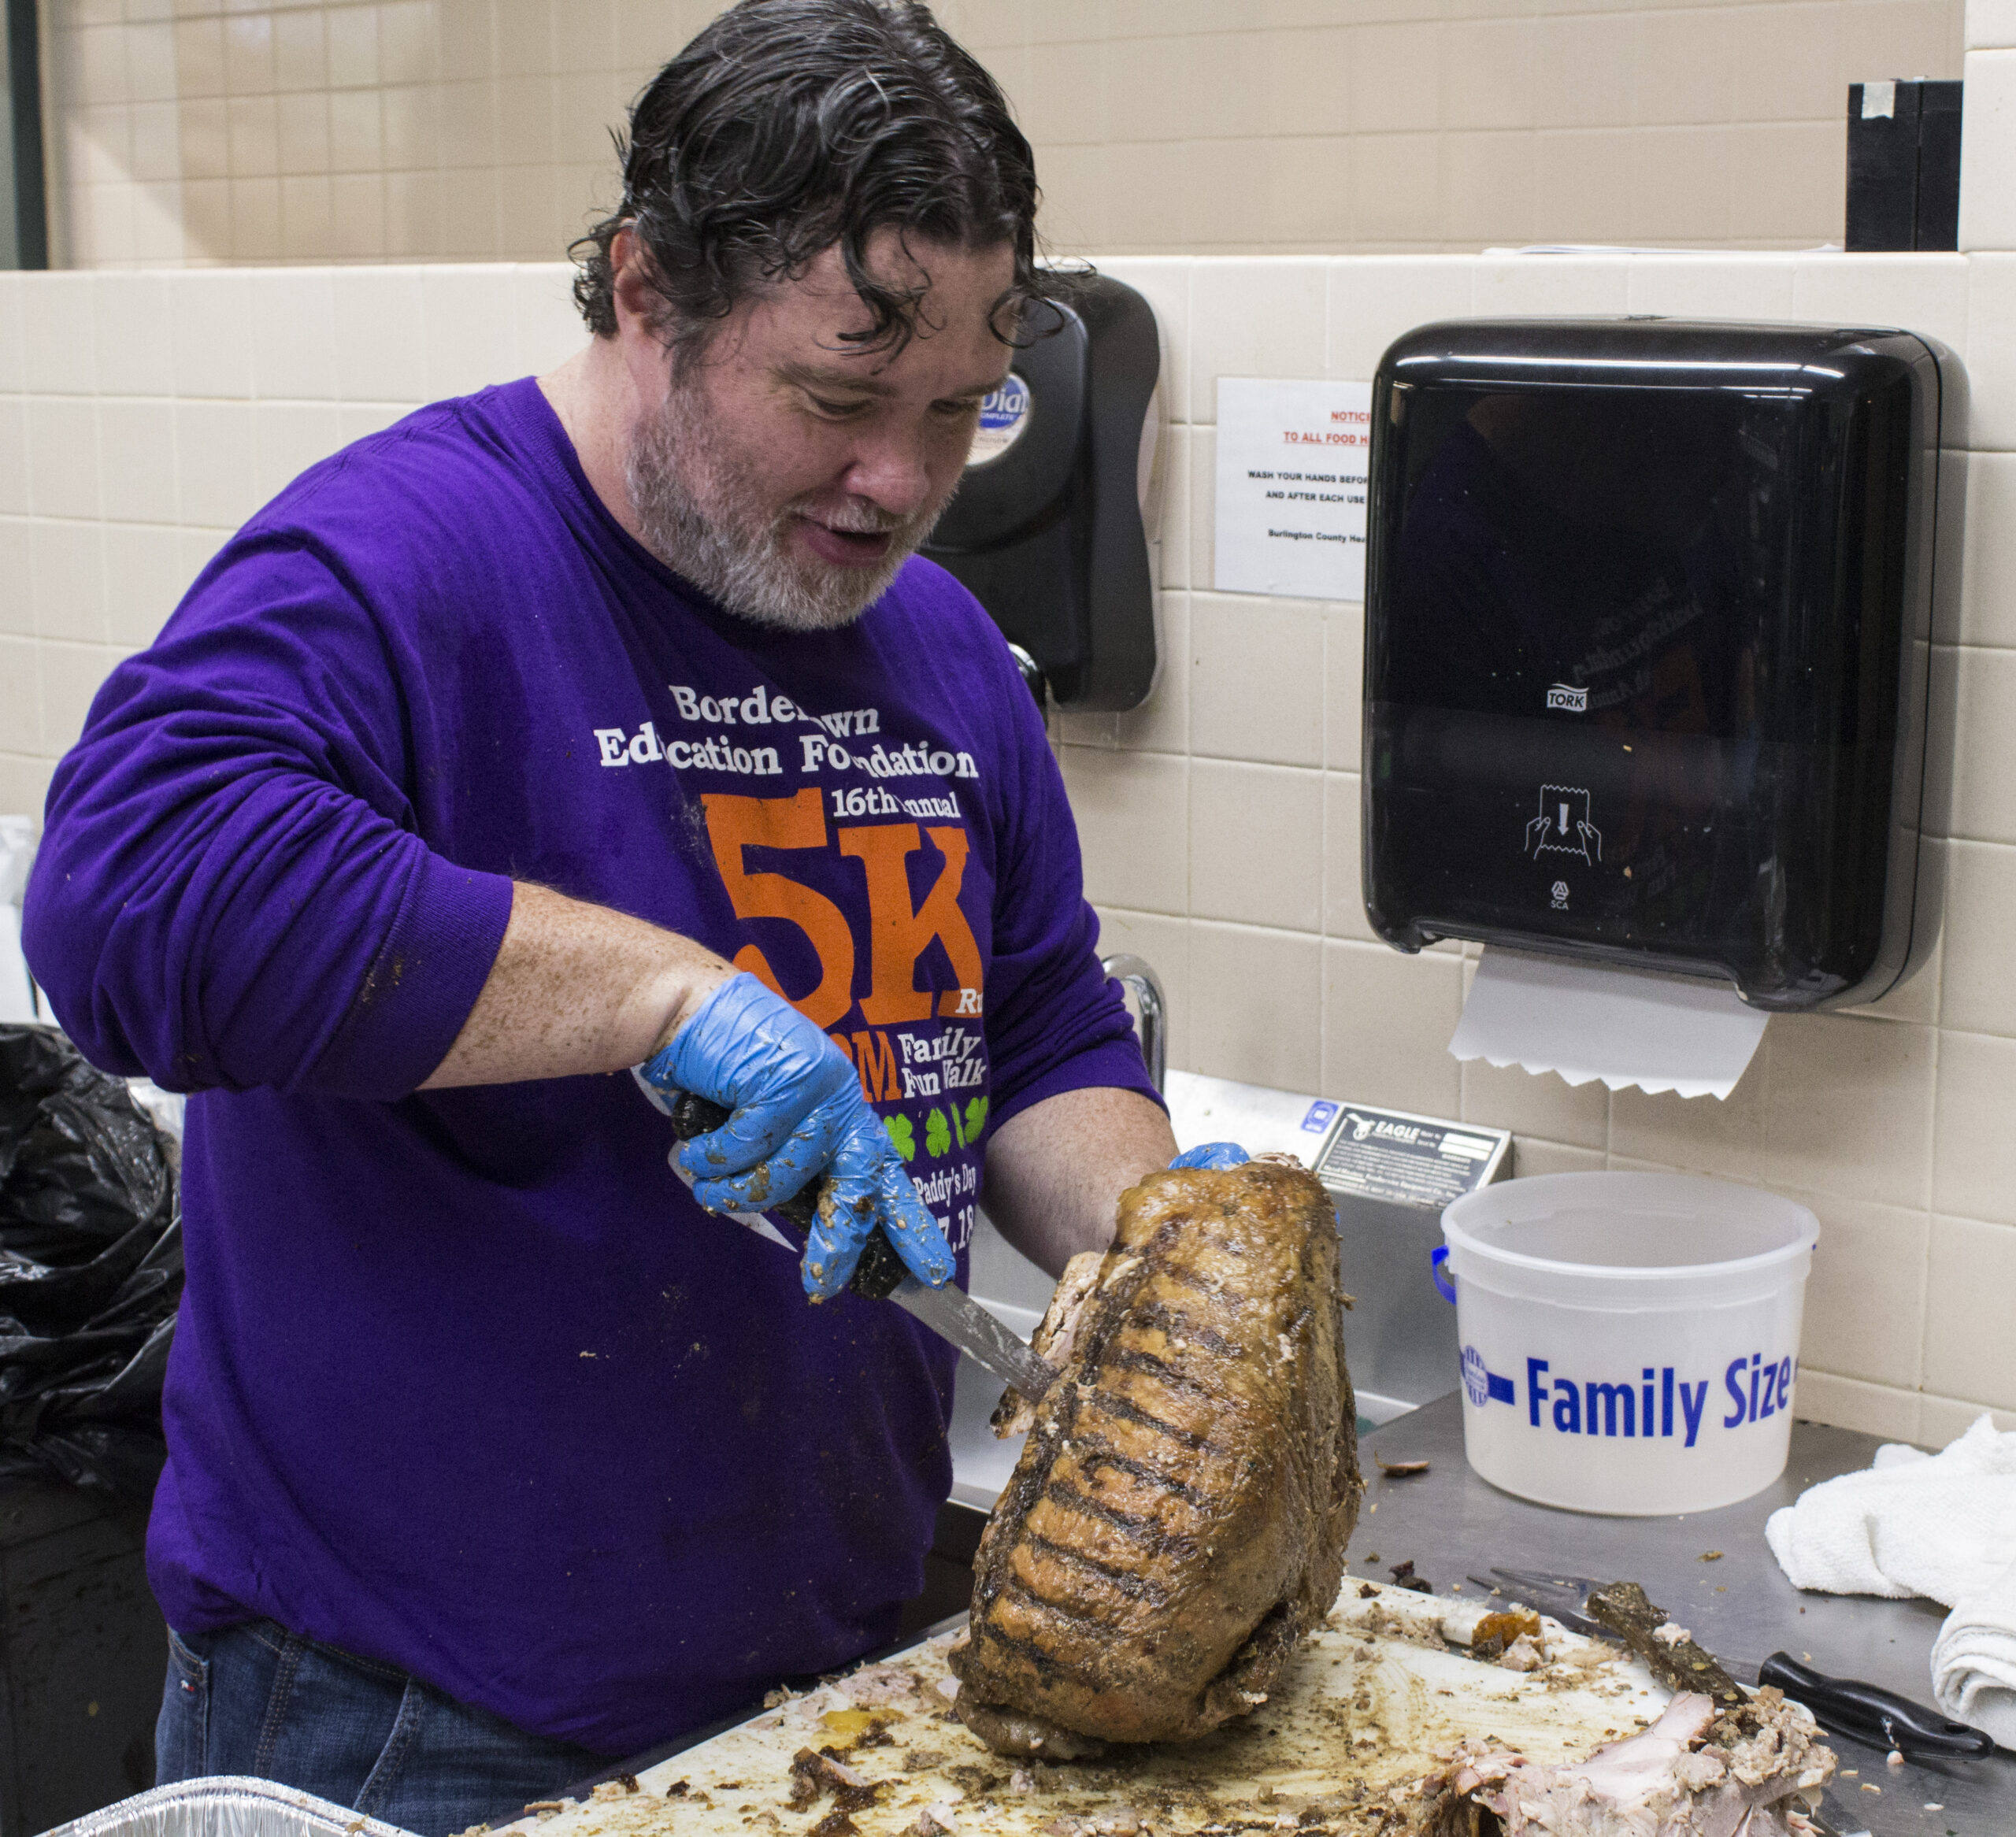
x: 1214, y: 1155
x: 798, y: 1111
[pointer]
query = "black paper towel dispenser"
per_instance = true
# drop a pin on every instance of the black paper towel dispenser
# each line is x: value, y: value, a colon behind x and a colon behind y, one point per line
x: 1647, y: 618
x: 1047, y: 529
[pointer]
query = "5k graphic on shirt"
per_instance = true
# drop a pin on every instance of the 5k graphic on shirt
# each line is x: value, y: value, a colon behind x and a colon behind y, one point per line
x: 853, y: 889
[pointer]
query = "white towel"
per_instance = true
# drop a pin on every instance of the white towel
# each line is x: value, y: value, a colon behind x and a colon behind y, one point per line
x: 1973, y: 1660
x: 1942, y: 1525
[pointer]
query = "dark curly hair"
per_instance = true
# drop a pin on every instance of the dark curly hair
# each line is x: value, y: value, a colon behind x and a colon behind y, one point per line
x: 789, y: 126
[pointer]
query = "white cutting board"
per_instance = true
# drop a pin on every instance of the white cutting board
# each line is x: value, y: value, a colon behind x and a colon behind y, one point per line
x: 1374, y: 1699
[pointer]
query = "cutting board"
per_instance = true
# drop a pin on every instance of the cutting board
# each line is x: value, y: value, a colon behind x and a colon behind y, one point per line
x: 1383, y: 1690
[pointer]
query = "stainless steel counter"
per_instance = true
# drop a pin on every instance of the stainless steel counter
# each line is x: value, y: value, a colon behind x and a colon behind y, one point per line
x: 1739, y: 1606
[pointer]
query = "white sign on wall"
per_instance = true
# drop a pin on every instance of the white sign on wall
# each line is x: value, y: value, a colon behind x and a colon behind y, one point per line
x: 1292, y: 465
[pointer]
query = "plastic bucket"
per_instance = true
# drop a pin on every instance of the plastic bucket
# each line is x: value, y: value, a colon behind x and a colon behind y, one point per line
x: 1630, y: 1341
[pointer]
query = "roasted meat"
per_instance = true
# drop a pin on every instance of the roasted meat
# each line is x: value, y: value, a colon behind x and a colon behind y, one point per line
x: 1177, y: 1519
x: 1698, y: 1771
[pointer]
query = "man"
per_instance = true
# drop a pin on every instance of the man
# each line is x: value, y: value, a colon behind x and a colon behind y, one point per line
x: 595, y: 721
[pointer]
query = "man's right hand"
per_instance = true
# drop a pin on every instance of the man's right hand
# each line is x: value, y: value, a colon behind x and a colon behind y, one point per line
x: 797, y: 1111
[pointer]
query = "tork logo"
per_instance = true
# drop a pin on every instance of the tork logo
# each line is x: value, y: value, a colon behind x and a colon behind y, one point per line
x: 1567, y: 697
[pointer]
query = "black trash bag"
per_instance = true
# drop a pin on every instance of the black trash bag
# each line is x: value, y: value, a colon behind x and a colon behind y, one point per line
x: 90, y: 1271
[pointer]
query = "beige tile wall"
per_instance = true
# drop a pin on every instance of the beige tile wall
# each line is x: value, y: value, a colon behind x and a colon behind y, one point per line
x: 245, y: 130
x: 142, y: 415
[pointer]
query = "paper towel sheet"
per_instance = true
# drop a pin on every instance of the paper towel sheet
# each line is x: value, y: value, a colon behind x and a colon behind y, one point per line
x: 1659, y: 1032
x: 17, y: 998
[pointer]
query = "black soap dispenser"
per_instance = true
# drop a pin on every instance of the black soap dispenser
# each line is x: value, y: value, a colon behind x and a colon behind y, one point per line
x: 1047, y: 528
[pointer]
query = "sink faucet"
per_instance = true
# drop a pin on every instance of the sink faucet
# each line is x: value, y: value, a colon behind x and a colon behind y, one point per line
x: 1134, y: 974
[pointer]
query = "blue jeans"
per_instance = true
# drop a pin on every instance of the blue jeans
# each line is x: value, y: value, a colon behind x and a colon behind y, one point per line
x: 256, y: 1699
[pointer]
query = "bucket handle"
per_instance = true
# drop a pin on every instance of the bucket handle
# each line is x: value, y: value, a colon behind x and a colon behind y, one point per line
x: 1444, y: 1283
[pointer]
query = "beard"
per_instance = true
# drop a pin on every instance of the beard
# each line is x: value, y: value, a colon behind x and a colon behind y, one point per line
x: 705, y: 511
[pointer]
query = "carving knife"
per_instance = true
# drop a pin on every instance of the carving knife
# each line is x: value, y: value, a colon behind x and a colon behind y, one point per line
x: 949, y: 1312
x: 1864, y: 1712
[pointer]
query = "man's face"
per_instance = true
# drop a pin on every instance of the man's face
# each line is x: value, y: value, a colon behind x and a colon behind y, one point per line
x: 789, y: 474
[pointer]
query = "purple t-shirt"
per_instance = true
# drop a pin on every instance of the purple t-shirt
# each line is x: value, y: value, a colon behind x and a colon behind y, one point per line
x: 464, y: 1380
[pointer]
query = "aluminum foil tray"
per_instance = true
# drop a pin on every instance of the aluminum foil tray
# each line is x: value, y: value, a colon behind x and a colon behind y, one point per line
x: 226, y: 1806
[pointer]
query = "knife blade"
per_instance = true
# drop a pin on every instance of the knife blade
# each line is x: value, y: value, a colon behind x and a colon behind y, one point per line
x: 949, y: 1312
x: 1565, y: 1598
x: 952, y: 1314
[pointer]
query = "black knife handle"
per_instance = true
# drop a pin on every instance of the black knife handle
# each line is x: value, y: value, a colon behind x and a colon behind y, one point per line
x: 1870, y: 1713
x: 876, y: 1275
x: 879, y: 1271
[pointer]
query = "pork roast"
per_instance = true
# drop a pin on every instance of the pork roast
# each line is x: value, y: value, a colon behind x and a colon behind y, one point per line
x: 1177, y: 1519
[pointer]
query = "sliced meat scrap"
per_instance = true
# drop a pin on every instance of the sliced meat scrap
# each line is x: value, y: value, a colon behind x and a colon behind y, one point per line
x: 1698, y: 1771
x: 1177, y: 1519
x: 1054, y: 1339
